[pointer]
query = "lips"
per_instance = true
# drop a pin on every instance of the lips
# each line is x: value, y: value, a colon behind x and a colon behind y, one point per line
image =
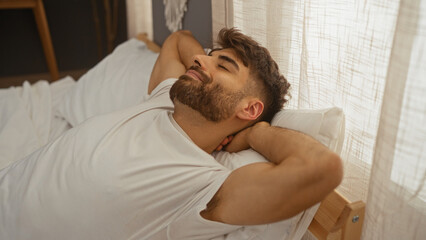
x: 194, y: 74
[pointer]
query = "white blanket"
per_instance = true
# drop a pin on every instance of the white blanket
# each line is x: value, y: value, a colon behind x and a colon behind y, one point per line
x: 26, y: 120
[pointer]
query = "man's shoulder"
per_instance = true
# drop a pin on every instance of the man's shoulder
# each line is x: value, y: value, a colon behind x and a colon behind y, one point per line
x: 162, y: 90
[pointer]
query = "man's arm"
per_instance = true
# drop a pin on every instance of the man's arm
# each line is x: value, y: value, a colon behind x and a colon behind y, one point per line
x: 301, y: 173
x: 175, y: 57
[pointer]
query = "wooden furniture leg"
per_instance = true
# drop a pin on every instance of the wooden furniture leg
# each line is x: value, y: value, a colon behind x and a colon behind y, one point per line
x: 43, y: 30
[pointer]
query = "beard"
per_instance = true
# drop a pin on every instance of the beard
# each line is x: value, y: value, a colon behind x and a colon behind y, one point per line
x: 211, y: 100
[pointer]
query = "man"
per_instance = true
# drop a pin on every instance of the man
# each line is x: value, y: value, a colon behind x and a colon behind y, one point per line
x: 147, y: 172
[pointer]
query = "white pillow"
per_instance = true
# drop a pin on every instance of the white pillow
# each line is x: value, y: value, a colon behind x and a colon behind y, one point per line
x: 120, y: 80
x: 325, y: 125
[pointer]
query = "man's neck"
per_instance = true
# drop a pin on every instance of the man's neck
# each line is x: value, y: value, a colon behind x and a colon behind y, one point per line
x: 205, y: 134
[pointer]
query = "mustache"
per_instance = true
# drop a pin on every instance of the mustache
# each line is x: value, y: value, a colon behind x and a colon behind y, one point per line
x: 205, y: 79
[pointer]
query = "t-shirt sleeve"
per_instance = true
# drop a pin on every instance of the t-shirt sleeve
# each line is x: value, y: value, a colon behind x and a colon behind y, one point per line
x: 190, y: 225
x: 162, y: 90
x: 292, y: 228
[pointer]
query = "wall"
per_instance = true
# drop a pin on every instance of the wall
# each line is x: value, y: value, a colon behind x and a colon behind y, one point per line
x: 197, y: 19
x: 73, y: 35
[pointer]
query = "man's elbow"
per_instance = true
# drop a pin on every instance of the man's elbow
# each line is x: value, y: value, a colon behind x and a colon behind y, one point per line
x: 333, y: 172
x: 184, y: 32
x: 174, y: 38
x: 180, y: 33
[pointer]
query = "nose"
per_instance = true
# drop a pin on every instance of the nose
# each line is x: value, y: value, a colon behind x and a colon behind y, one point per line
x: 203, y: 61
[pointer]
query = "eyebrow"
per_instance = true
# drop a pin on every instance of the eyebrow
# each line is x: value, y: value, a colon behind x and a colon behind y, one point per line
x: 230, y: 60
x: 225, y: 58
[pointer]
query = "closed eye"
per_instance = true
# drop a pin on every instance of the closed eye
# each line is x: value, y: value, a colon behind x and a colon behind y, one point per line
x: 221, y: 66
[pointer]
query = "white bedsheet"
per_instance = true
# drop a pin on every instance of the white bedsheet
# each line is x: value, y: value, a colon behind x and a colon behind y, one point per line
x: 27, y: 121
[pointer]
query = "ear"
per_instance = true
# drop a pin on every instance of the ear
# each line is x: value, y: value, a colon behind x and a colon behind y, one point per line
x: 251, y: 110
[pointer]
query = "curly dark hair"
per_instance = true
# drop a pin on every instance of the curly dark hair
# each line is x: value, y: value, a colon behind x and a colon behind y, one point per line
x: 273, y: 85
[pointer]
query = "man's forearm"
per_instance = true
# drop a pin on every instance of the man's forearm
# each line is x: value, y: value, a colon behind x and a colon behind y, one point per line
x: 278, y: 144
x: 175, y: 57
x: 296, y: 154
x: 188, y: 46
x: 303, y: 173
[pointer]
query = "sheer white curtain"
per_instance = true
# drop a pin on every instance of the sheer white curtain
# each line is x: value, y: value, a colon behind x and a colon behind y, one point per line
x: 369, y: 58
x: 139, y: 18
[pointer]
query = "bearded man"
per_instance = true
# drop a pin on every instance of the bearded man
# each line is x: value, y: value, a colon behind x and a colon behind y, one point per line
x: 147, y: 172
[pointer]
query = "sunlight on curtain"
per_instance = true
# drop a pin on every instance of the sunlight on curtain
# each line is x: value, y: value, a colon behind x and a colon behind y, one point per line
x: 360, y: 56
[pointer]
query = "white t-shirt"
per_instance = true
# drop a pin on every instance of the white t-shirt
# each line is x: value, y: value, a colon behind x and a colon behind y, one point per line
x: 132, y: 174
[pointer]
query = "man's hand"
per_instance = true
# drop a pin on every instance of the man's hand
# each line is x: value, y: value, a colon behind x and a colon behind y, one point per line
x: 241, y: 140
x: 225, y: 142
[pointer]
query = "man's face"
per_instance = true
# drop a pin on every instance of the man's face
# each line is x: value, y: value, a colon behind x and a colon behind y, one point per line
x: 213, y: 86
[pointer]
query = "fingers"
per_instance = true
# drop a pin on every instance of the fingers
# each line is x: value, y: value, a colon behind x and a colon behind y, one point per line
x: 225, y: 142
x: 238, y: 142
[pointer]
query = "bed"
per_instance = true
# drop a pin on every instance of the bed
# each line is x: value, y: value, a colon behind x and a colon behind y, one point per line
x: 33, y: 115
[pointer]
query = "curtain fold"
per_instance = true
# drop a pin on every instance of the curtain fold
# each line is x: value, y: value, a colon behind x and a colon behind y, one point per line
x: 367, y: 57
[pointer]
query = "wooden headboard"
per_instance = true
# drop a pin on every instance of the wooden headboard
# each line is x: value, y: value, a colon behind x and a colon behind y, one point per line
x: 337, y: 218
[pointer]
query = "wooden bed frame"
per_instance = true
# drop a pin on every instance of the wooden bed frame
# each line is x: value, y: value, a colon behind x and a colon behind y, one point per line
x: 337, y: 218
